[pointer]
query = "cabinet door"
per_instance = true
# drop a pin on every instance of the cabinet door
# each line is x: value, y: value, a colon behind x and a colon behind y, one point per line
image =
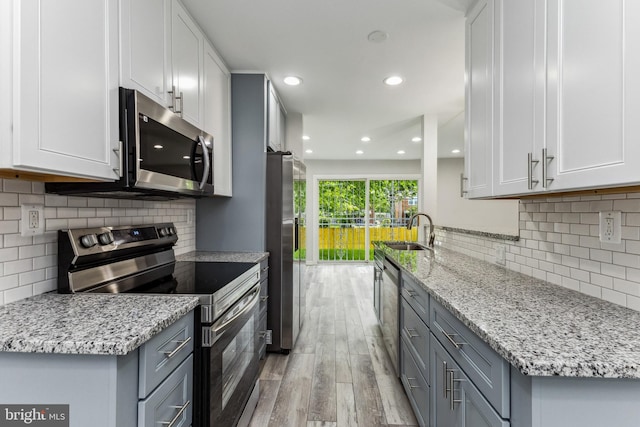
x: 479, y: 87
x: 144, y: 44
x: 217, y: 118
x: 593, y: 93
x: 519, y: 96
x: 187, y: 47
x: 65, y: 83
x: 474, y: 411
x: 441, y: 363
x: 274, y: 120
x: 282, y: 127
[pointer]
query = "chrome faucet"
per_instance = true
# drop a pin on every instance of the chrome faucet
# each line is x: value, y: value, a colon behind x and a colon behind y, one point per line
x: 432, y: 234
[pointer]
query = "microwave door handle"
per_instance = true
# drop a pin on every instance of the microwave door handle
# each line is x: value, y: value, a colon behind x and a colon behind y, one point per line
x: 207, y: 162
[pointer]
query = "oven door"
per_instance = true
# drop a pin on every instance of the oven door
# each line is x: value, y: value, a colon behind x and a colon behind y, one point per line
x: 171, y: 154
x: 229, y: 362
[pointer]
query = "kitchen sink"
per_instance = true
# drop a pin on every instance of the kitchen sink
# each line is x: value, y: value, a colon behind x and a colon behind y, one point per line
x: 407, y: 246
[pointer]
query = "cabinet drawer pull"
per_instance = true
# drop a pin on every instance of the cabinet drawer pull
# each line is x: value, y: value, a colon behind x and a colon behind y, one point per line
x: 175, y: 419
x: 264, y: 298
x: 411, y: 293
x: 457, y: 345
x: 409, y: 331
x: 444, y: 378
x: 411, y: 386
x: 530, y: 163
x: 183, y: 344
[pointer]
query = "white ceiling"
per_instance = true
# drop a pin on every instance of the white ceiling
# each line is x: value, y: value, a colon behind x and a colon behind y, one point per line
x: 342, y: 97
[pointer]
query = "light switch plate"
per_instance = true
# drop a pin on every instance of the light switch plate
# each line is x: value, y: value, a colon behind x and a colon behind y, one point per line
x: 32, y: 220
x: 611, y: 227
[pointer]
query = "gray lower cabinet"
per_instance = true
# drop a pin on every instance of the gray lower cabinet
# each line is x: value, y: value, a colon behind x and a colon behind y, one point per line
x: 455, y: 401
x: 414, y: 384
x: 150, y: 386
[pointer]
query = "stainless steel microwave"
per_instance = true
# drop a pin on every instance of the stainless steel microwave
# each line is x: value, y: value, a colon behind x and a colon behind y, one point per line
x: 166, y: 156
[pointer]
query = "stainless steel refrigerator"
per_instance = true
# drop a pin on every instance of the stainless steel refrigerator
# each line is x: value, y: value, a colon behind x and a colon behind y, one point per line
x: 285, y: 222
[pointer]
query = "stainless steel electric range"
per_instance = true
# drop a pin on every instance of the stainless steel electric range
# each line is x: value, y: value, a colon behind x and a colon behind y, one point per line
x: 140, y: 259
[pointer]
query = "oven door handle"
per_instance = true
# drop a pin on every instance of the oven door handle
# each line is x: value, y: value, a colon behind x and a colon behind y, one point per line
x: 247, y: 303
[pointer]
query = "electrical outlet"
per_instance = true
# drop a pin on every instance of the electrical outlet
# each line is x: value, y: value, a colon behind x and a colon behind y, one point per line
x: 501, y: 254
x: 32, y: 220
x: 611, y: 227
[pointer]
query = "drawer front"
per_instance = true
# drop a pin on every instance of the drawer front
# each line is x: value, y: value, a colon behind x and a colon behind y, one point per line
x: 159, y: 356
x: 416, y: 386
x: 172, y: 402
x: 416, y: 296
x: 264, y: 269
x: 415, y: 334
x: 486, y: 368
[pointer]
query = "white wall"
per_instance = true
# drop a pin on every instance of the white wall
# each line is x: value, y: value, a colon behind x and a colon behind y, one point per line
x: 29, y: 265
x: 493, y: 216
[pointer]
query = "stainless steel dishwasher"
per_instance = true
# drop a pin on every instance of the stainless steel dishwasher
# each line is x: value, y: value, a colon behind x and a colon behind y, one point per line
x: 390, y: 322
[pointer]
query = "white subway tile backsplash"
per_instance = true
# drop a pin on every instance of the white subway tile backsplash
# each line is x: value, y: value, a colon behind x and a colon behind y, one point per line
x: 559, y: 240
x: 28, y: 265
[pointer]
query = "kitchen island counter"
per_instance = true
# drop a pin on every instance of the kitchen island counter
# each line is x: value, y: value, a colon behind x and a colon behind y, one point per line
x: 207, y: 256
x: 106, y: 324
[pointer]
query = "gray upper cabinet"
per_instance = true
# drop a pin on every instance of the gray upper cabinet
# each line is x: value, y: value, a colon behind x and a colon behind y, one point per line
x: 277, y: 121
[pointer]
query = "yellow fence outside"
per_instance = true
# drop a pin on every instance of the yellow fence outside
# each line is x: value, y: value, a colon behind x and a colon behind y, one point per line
x: 353, y: 237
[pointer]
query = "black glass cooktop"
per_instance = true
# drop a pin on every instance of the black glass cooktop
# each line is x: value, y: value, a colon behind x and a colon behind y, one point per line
x: 197, y: 278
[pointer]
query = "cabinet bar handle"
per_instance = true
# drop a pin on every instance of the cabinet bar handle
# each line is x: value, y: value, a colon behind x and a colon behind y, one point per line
x: 172, y: 107
x: 118, y: 152
x: 545, y: 168
x: 411, y: 386
x: 409, y: 332
x: 181, y: 98
x: 462, y: 180
x: 411, y: 293
x: 183, y: 344
x: 451, y: 340
x: 444, y: 377
x: 452, y: 381
x: 264, y: 298
x: 530, y: 163
x: 175, y: 419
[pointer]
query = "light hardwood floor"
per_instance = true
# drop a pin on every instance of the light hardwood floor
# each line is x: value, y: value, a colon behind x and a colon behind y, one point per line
x: 339, y: 373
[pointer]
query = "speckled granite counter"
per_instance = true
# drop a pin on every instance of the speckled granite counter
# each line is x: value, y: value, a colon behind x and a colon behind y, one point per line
x: 87, y: 324
x: 540, y: 328
x: 223, y: 256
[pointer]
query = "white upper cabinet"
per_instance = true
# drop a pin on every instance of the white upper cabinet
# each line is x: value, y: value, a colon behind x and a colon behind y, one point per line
x: 567, y: 99
x: 277, y: 121
x: 519, y: 97
x: 479, y: 100
x: 593, y: 93
x: 64, y: 88
x: 217, y: 119
x: 187, y: 52
x: 144, y: 39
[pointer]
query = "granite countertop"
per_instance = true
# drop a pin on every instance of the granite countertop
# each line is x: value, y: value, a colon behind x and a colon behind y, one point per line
x: 540, y: 328
x: 255, y: 257
x: 88, y: 324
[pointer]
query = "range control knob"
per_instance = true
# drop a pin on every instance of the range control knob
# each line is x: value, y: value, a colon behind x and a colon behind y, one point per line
x: 88, y: 240
x: 173, y: 230
x: 105, y: 238
x: 163, y: 232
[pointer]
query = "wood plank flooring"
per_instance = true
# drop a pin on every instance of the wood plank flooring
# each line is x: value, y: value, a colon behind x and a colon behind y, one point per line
x: 339, y: 373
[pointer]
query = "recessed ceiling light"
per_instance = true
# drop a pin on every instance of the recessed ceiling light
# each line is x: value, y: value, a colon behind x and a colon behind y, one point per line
x: 400, y: 151
x: 393, y: 80
x: 158, y: 147
x: 365, y: 139
x: 309, y: 151
x: 456, y: 151
x: 306, y: 137
x: 359, y: 152
x: 292, y: 80
x: 377, y: 36
x: 416, y: 139
x: 186, y: 157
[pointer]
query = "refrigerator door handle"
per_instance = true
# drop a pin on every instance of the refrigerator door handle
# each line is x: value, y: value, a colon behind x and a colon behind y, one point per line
x: 296, y: 240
